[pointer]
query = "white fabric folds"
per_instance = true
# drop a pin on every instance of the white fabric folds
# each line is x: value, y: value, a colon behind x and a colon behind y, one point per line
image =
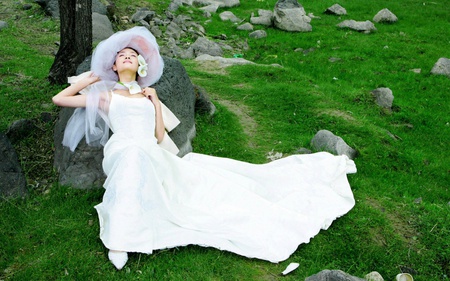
x: 155, y: 200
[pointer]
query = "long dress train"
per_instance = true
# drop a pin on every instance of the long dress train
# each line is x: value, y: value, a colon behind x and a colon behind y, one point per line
x: 155, y: 200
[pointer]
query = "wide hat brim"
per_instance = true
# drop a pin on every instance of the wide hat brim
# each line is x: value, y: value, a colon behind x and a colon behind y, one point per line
x: 140, y: 39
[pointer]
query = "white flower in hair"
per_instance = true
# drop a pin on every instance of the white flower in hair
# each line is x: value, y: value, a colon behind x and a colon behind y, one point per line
x: 142, y: 70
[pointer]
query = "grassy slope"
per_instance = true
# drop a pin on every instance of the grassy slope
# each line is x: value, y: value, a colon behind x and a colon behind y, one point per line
x: 53, y: 234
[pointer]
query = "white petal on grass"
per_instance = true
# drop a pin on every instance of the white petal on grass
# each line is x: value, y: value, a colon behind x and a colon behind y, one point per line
x: 291, y: 267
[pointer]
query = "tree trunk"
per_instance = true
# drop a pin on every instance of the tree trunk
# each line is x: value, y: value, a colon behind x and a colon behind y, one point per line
x: 75, y: 37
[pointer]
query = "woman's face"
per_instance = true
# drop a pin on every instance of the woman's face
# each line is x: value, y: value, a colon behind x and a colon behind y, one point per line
x: 126, y: 59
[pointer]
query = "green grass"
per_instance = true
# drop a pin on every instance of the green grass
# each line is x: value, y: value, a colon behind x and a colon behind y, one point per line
x: 53, y: 233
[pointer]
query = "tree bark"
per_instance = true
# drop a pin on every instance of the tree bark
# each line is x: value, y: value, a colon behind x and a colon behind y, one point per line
x: 75, y: 39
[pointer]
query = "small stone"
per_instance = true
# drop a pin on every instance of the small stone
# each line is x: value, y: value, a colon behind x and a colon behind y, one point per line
x: 246, y: 26
x: 27, y: 7
x: 384, y: 97
x: 227, y: 15
x: 336, y: 9
x: 325, y: 140
x: 374, y: 276
x: 385, y: 16
x: 442, y: 67
x: 332, y: 59
x: 258, y: 34
x: 3, y: 24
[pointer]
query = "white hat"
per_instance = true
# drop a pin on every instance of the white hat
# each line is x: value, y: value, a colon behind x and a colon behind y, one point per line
x: 138, y: 38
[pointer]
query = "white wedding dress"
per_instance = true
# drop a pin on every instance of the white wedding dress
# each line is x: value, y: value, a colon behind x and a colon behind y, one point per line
x: 156, y: 200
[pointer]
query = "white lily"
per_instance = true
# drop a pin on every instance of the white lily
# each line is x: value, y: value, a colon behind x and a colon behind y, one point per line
x: 134, y: 88
x: 142, y: 70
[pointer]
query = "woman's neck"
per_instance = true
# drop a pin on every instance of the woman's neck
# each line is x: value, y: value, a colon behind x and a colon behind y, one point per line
x: 127, y: 77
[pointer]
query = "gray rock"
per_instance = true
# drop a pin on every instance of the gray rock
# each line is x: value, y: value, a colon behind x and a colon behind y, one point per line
x: 385, y: 16
x: 83, y: 169
x: 156, y: 31
x: 174, y: 5
x: 204, y: 46
x: 203, y: 103
x: 219, y: 3
x: 20, y: 129
x: 229, y: 16
x: 374, y: 276
x: 144, y: 24
x: 101, y: 27
x: 101, y: 6
x: 333, y: 275
x: 325, y: 140
x: 442, y: 67
x: 246, y: 26
x: 336, y: 9
x: 51, y: 7
x: 195, y: 28
x: 258, y: 34
x: 289, y: 15
x: 288, y: 4
x: 176, y: 91
x: 220, y: 62
x: 181, y: 19
x: 383, y: 97
x: 3, y: 24
x: 212, y: 8
x: 143, y: 14
x: 265, y: 17
x: 186, y: 54
x: 174, y: 30
x: 12, y: 179
x: 26, y: 7
x: 171, y: 49
x: 362, y: 26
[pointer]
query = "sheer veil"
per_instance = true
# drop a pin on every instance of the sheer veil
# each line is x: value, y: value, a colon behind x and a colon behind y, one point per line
x: 90, y: 122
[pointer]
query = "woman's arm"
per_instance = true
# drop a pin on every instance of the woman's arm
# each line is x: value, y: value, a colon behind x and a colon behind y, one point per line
x: 69, y: 98
x: 159, y: 126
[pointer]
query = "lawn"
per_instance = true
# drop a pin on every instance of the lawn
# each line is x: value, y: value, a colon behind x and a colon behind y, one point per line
x: 401, y: 219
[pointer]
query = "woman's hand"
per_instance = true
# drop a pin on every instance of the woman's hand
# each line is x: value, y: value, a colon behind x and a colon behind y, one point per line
x: 150, y: 93
x: 91, y: 79
x: 69, y: 98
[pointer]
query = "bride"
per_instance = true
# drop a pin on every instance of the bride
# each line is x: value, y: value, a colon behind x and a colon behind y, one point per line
x: 155, y: 200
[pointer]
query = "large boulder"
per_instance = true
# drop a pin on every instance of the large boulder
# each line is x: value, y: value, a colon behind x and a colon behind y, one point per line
x: 83, y: 168
x: 12, y: 179
x: 101, y: 28
x: 289, y: 15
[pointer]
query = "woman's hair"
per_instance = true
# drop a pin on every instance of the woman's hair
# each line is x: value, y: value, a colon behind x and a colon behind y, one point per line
x: 130, y: 49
